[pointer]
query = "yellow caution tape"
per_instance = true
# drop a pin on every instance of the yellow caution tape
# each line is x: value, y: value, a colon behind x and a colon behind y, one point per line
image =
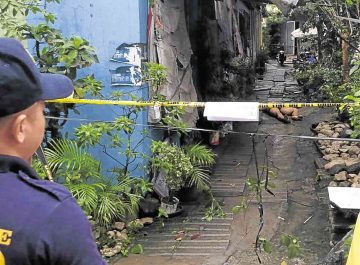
x: 129, y: 103
x: 190, y: 104
x: 354, y: 255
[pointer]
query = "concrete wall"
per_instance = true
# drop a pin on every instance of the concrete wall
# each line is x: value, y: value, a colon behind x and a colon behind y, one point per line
x: 106, y: 24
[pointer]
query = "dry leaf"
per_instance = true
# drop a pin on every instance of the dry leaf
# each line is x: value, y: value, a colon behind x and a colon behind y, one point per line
x: 195, y: 236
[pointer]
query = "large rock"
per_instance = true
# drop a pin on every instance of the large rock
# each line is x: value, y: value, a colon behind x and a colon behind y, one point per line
x: 352, y: 165
x: 322, y: 126
x: 344, y: 156
x: 338, y: 130
x: 341, y: 176
x: 325, y: 142
x: 336, y: 135
x: 110, y: 252
x: 346, y: 133
x: 110, y: 234
x: 327, y: 132
x: 332, y: 150
x: 356, y: 180
x: 333, y: 184
x: 331, y: 157
x: 336, y: 144
x: 147, y: 220
x: 121, y: 236
x: 352, y: 176
x: 340, y: 126
x: 354, y: 150
x: 344, y: 184
x: 345, y: 147
x: 335, y: 166
x: 118, y: 226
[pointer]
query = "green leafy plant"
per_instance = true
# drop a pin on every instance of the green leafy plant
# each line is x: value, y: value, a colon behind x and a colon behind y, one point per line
x: 119, y: 135
x: 319, y: 77
x: 215, y: 210
x: 173, y: 161
x: 292, y: 244
x: 265, y: 245
x: 183, y: 166
x: 54, y: 53
x: 81, y: 174
x: 13, y: 12
x: 352, y: 89
x: 161, y: 215
x: 156, y: 74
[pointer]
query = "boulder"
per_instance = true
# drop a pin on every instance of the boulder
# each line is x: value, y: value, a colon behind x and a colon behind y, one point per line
x: 344, y: 184
x: 110, y: 234
x: 331, y: 157
x: 355, y: 185
x: 352, y: 165
x: 346, y: 133
x: 332, y: 150
x: 321, y: 126
x: 335, y: 166
x: 340, y: 126
x: 356, y: 180
x: 354, y: 150
x: 147, y: 220
x: 325, y: 142
x: 341, y: 176
x: 110, y: 252
x: 345, y: 148
x: 336, y: 145
x: 352, y: 176
x: 327, y: 132
x: 345, y: 156
x: 118, y: 226
x: 336, y: 135
x: 338, y: 129
x: 333, y: 184
x: 121, y: 236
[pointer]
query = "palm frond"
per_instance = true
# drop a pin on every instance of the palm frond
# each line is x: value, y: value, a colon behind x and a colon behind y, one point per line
x: 109, y: 208
x: 200, y: 178
x: 200, y: 155
x: 66, y: 156
x: 86, y: 195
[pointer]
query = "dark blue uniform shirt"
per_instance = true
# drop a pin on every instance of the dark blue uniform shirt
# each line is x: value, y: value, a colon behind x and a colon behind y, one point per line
x: 40, y: 222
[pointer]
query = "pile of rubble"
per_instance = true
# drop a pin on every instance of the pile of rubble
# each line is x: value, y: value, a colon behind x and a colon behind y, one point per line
x: 343, y: 157
x: 118, y: 236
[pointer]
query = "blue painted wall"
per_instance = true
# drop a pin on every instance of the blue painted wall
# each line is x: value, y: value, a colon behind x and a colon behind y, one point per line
x: 106, y: 24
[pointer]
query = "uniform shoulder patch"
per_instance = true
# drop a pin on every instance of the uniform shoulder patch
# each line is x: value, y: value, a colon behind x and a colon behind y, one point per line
x: 54, y: 189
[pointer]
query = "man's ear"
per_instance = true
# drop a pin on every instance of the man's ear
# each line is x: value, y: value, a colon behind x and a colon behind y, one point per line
x: 18, y: 128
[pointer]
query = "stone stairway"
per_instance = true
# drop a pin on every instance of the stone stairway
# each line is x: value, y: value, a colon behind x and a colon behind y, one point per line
x: 187, y: 236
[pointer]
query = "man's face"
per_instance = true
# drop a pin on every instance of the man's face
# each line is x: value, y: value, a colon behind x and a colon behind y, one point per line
x: 36, y: 128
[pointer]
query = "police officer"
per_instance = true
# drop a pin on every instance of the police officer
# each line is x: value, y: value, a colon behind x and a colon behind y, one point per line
x: 40, y: 222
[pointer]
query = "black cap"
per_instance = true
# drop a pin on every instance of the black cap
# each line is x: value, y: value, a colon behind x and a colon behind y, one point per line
x: 22, y: 84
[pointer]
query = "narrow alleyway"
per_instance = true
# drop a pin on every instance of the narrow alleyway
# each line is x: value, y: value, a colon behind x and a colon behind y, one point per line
x: 298, y: 208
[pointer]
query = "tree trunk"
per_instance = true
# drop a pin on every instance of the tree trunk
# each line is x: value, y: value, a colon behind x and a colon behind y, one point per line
x: 345, y: 58
x: 319, y: 40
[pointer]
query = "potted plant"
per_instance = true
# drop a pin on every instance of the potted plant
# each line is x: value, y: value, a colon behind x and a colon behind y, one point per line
x: 182, y: 167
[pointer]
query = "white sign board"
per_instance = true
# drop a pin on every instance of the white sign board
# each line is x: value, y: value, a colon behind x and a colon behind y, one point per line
x: 345, y: 198
x: 232, y: 111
